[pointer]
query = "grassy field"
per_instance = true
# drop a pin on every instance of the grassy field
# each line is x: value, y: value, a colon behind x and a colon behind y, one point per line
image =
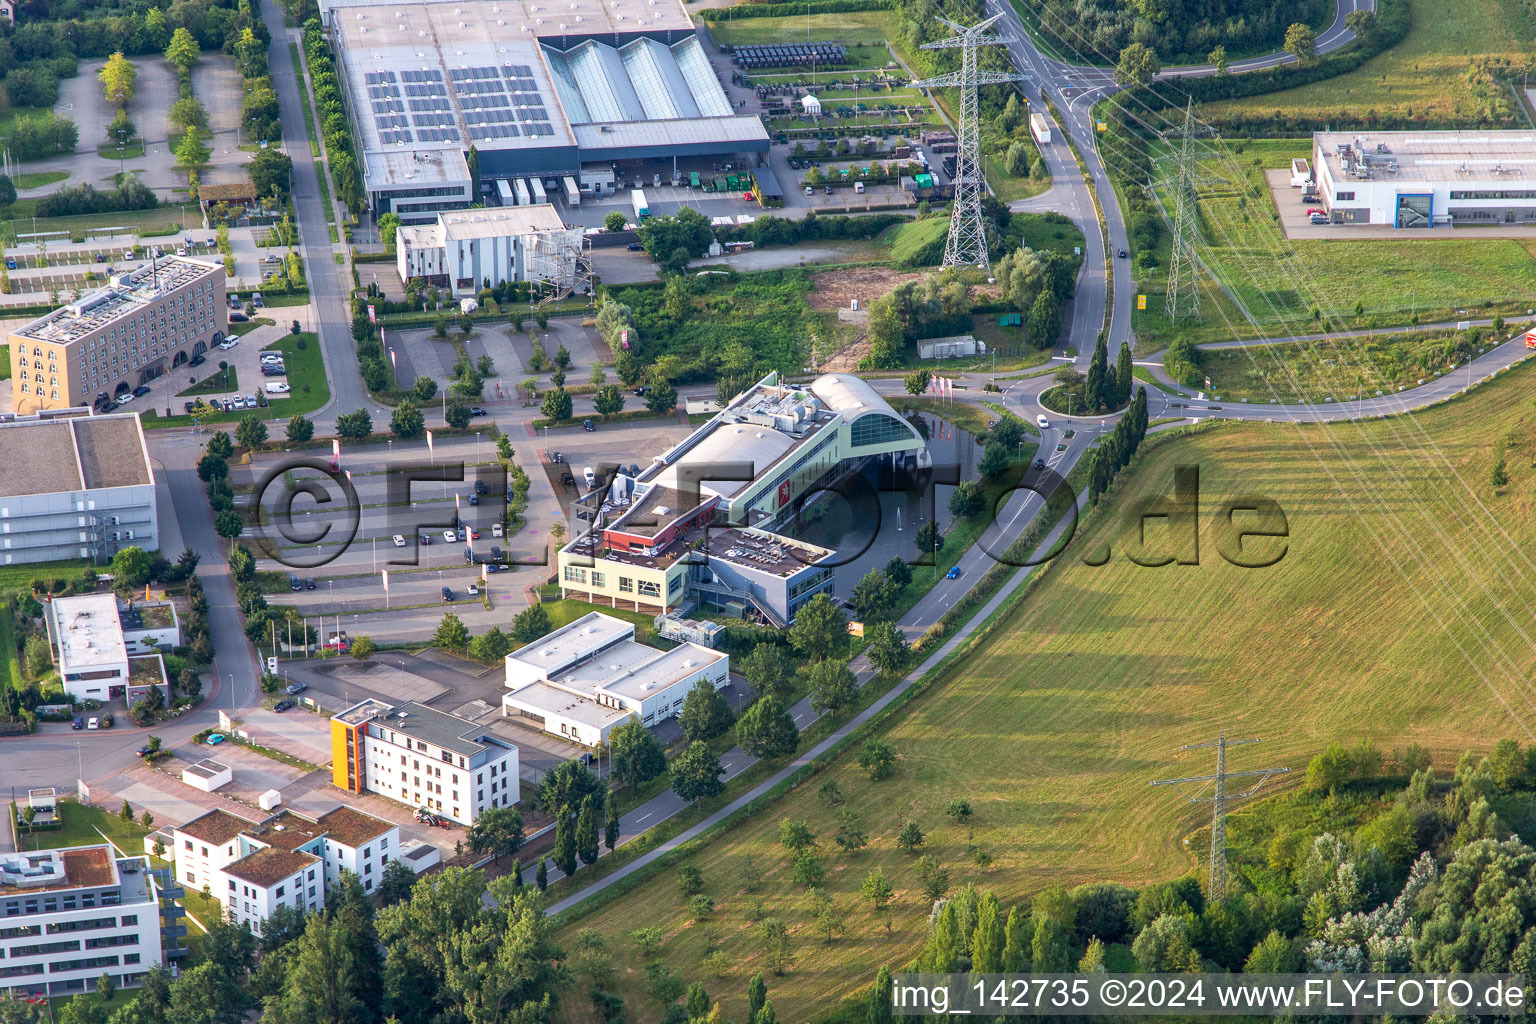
x: 1434, y: 73
x: 150, y: 223
x: 1281, y: 281
x: 864, y: 33
x: 19, y: 577
x: 1335, y: 370
x: 5, y: 364
x: 907, y: 240
x: 10, y: 663
x: 1084, y: 691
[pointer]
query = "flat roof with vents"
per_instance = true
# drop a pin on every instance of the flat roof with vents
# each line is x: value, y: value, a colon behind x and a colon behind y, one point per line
x: 127, y: 293
x: 89, y: 633
x: 1408, y: 158
x: 598, y: 654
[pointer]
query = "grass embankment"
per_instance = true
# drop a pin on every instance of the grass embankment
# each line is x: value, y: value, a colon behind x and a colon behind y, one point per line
x: 1336, y: 370
x: 10, y: 662
x: 1084, y: 691
x: 1434, y: 75
x: 37, y: 179
x: 1281, y: 281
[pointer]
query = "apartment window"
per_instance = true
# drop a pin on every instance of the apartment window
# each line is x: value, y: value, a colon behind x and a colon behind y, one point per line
x: 626, y: 585
x: 1344, y: 197
x: 574, y: 574
x: 599, y: 579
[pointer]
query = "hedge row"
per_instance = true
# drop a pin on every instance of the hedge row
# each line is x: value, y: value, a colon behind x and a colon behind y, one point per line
x: 782, y: 10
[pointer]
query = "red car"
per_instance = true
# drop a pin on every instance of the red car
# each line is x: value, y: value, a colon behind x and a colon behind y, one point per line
x: 1315, y: 210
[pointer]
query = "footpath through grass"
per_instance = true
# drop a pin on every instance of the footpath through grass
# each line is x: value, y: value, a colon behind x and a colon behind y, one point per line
x: 1084, y: 691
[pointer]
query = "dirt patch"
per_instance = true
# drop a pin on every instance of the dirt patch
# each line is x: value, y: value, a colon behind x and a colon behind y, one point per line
x: 836, y: 289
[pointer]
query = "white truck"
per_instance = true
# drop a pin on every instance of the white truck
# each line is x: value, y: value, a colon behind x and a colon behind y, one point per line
x: 1040, y: 127
x: 642, y: 208
x: 1301, y: 173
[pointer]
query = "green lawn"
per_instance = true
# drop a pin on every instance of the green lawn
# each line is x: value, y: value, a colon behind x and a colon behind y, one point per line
x: 1335, y: 370
x: 306, y: 374
x: 216, y: 383
x: 10, y: 663
x: 37, y: 179
x: 907, y: 240
x: 80, y: 829
x: 5, y: 364
x: 20, y: 577
x: 1436, y: 72
x: 1084, y: 691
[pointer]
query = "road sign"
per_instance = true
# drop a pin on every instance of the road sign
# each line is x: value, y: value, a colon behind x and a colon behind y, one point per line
x: 272, y: 665
x: 1102, y: 126
x: 1141, y: 302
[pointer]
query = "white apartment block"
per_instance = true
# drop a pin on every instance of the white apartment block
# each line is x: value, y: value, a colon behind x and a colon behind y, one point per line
x: 69, y: 916
x: 424, y: 758
x: 252, y: 868
x: 588, y: 677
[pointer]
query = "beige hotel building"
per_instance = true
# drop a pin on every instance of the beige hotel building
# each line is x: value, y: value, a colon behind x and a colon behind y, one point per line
x: 143, y: 324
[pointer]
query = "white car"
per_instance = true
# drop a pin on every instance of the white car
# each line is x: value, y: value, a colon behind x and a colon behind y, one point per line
x: 450, y: 536
x: 229, y: 343
x: 472, y: 590
x: 125, y: 398
x: 271, y: 357
x: 181, y: 252
x: 94, y: 723
x: 496, y: 530
x: 1045, y: 424
x: 399, y: 541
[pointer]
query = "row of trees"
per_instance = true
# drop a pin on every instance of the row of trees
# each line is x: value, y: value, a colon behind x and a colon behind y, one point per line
x: 1116, y: 450
x: 339, y: 148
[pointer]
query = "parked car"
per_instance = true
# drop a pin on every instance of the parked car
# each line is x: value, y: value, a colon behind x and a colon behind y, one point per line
x: 635, y: 247
x: 77, y: 724
x: 197, y: 360
x: 181, y: 252
x: 276, y: 387
x: 257, y: 301
x: 496, y: 530
x: 285, y: 704
x: 309, y: 583
x: 94, y: 723
x: 480, y: 487
x: 230, y: 342
x: 447, y: 594
x: 426, y: 538
x: 399, y: 540
x: 140, y: 392
x: 475, y: 410
x: 641, y: 391
x: 294, y: 583
x: 474, y: 499
x: 238, y: 318
x: 101, y: 257
x: 1318, y: 218
x: 450, y: 536
x: 214, y: 739
x: 145, y: 750
x: 271, y: 357
x: 809, y: 191
x: 189, y: 406
x: 274, y: 370
x: 124, y: 399
x: 588, y: 426
x: 472, y: 590
x: 294, y: 689
x: 271, y: 258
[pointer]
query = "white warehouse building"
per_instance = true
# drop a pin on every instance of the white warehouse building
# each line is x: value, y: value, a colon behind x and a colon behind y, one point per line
x: 465, y: 250
x: 588, y: 677
x: 1427, y: 179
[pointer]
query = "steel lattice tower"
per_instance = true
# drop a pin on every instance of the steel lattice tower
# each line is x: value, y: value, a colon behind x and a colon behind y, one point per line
x: 967, y: 243
x: 1218, y: 799
x: 1183, y: 296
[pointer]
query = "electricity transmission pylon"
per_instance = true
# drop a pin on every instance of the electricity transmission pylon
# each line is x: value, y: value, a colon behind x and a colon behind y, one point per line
x: 1182, y: 300
x: 967, y: 242
x: 1218, y: 797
